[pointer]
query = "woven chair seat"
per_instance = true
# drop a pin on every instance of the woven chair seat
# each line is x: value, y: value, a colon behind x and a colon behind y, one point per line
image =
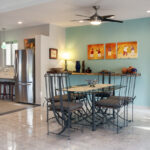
x: 79, y: 96
x: 75, y: 96
x: 126, y: 100
x: 64, y: 97
x: 109, y: 103
x: 67, y: 106
x: 102, y: 94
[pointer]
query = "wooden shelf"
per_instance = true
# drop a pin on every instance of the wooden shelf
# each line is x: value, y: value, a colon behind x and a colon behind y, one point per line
x: 116, y: 74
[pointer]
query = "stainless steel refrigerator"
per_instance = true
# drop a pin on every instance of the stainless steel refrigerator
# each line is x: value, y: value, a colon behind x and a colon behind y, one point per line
x: 25, y: 76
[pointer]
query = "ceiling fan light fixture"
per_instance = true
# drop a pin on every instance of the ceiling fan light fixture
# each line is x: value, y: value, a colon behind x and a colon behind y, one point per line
x: 81, y: 21
x: 96, y: 22
x: 148, y: 11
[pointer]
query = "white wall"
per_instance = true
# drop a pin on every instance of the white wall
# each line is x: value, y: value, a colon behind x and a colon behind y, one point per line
x: 20, y: 34
x: 42, y: 64
x: 56, y: 39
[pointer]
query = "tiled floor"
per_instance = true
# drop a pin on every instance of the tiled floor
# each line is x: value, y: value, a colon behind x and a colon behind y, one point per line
x: 7, y: 106
x: 27, y: 130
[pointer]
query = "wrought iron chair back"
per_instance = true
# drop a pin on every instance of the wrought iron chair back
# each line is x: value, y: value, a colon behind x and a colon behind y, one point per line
x: 55, y: 83
x: 65, y: 83
x: 128, y: 83
x: 106, y: 77
x: 124, y: 84
x: 131, y: 86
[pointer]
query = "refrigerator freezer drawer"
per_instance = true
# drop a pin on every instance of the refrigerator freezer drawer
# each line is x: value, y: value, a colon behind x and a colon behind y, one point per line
x: 24, y: 92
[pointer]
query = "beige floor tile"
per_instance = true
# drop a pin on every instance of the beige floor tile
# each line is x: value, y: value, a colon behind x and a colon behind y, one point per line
x: 27, y: 130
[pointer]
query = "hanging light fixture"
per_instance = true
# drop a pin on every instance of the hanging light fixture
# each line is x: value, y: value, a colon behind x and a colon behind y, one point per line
x: 3, y: 44
x: 96, y: 22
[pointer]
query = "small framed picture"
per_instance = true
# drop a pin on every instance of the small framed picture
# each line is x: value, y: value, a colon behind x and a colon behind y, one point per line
x: 29, y: 43
x: 53, y: 53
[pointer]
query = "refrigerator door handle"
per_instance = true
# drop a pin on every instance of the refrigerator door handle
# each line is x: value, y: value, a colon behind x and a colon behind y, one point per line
x: 25, y: 84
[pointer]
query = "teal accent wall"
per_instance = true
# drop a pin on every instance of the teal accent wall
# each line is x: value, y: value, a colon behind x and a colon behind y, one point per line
x: 77, y: 39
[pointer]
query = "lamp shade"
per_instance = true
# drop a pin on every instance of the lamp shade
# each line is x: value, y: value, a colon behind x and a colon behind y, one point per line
x: 65, y: 56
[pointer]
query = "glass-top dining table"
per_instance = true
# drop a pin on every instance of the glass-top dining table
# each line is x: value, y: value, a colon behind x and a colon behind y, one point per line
x: 90, y: 98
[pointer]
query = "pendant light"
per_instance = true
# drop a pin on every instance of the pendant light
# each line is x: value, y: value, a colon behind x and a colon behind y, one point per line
x: 3, y: 44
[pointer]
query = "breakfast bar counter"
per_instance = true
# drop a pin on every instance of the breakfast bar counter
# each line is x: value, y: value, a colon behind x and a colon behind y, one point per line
x: 113, y: 74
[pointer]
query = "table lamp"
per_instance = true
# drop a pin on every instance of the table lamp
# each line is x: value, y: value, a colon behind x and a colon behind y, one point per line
x: 65, y: 56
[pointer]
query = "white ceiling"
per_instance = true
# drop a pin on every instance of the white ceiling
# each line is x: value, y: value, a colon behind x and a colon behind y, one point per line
x: 61, y: 12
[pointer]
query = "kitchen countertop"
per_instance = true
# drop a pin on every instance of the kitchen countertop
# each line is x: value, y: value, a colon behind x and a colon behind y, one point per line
x: 7, y: 74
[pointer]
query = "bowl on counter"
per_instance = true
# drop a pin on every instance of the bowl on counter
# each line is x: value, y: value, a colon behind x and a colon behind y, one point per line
x: 55, y: 70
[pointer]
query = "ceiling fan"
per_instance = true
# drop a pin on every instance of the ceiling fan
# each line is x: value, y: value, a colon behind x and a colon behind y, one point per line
x: 96, y: 19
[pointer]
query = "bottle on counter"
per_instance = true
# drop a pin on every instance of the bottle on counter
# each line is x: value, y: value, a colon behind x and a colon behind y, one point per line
x: 83, y: 66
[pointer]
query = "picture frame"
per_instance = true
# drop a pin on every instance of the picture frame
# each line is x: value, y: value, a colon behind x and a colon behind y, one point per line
x: 127, y: 50
x: 110, y: 51
x: 95, y: 51
x: 53, y: 53
x: 29, y: 43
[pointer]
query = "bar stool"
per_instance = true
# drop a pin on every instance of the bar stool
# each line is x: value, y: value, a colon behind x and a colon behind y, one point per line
x: 5, y: 92
x: 11, y: 90
x: 1, y: 89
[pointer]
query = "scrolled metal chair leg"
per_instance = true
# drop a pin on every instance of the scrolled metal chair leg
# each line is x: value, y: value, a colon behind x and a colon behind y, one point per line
x: 132, y: 112
x: 117, y: 122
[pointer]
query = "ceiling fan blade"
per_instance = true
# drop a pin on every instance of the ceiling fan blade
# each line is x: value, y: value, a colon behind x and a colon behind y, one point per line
x: 111, y: 20
x: 75, y: 20
x: 86, y: 19
x: 81, y: 20
x: 107, y: 16
x: 82, y: 16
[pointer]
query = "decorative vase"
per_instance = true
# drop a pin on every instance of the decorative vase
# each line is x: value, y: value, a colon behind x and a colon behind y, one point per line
x: 83, y: 66
x: 78, y: 66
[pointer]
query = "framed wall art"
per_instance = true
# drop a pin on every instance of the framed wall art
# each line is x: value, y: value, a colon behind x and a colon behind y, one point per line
x: 127, y: 50
x: 29, y: 43
x: 110, y: 51
x: 96, y: 51
x: 53, y: 53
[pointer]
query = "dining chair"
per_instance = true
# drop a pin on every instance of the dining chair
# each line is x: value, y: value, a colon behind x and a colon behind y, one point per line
x: 105, y: 78
x: 115, y: 104
x: 65, y: 82
x: 129, y: 99
x: 62, y: 107
x: 131, y: 95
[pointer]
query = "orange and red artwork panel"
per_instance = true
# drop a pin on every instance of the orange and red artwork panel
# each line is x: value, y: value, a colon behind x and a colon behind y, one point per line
x: 127, y: 50
x: 110, y: 50
x: 96, y: 51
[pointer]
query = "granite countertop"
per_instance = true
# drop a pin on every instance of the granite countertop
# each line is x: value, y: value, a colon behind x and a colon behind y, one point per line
x: 7, y: 73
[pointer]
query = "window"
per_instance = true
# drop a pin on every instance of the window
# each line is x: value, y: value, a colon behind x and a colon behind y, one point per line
x: 10, y: 53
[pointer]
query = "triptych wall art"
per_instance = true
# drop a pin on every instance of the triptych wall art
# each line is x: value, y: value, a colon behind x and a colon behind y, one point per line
x: 121, y: 50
